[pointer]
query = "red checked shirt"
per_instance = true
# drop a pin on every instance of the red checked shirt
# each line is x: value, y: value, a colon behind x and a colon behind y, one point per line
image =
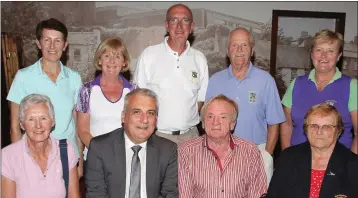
x: 201, y: 174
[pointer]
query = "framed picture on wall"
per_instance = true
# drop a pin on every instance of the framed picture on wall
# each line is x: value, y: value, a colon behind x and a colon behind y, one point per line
x: 291, y: 39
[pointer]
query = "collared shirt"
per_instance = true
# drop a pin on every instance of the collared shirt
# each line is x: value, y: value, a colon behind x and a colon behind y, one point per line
x: 304, y: 95
x: 257, y: 98
x: 19, y: 166
x: 105, y: 115
x: 179, y: 81
x: 143, y: 159
x: 63, y: 95
x: 201, y: 174
x: 353, y: 93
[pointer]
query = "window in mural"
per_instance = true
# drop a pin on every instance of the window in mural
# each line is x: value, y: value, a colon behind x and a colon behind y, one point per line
x: 77, y: 55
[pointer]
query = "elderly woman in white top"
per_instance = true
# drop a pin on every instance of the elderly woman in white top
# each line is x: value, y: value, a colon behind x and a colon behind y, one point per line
x: 31, y: 167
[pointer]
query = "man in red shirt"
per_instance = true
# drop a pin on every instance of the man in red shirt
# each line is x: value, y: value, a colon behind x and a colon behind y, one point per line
x: 219, y: 164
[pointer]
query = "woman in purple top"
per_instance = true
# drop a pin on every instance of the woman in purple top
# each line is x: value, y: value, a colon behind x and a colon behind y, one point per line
x: 100, y: 102
x: 31, y: 167
x: 324, y: 84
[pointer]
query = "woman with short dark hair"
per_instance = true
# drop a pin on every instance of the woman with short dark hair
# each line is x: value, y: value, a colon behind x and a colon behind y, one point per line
x: 50, y: 77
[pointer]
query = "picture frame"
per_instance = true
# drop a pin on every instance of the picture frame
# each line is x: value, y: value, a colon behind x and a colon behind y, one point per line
x: 291, y: 37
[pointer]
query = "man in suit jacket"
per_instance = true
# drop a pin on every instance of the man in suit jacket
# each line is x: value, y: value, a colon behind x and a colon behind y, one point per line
x: 109, y: 162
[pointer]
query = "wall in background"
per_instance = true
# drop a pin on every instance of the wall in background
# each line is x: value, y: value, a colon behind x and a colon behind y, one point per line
x: 140, y: 24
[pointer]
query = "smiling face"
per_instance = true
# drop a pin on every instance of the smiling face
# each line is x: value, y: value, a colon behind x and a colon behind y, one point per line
x: 52, y: 45
x: 111, y: 62
x: 37, y: 122
x: 140, y: 118
x: 239, y: 49
x: 325, y: 56
x: 179, y: 24
x: 218, y: 119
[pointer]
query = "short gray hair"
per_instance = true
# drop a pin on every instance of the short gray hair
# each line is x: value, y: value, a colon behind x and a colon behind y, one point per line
x: 220, y: 97
x: 35, y: 99
x: 142, y: 92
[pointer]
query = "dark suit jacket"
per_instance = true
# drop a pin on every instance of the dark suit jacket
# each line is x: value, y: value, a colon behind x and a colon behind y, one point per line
x: 292, y: 175
x: 105, y: 174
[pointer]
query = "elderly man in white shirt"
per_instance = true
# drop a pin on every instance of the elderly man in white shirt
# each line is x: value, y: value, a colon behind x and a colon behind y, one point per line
x: 179, y: 76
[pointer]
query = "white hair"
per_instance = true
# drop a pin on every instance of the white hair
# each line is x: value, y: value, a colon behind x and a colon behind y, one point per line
x: 35, y: 99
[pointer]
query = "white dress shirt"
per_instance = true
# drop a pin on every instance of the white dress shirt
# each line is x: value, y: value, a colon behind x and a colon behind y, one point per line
x: 142, y: 157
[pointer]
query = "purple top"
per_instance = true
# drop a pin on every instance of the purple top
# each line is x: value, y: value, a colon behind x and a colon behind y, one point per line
x: 305, y: 95
x: 83, y: 104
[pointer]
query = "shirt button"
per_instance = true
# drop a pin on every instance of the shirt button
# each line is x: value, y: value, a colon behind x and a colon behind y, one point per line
x: 177, y: 66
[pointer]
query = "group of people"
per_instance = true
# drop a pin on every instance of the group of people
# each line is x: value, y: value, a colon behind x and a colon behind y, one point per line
x: 140, y: 138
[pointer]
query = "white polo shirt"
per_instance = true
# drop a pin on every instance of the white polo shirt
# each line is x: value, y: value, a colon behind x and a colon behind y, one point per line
x: 179, y: 81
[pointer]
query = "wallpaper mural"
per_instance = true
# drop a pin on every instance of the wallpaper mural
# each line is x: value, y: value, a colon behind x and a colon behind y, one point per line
x: 140, y: 26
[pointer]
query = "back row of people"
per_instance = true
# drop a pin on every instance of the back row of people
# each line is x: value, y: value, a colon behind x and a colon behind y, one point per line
x: 178, y: 74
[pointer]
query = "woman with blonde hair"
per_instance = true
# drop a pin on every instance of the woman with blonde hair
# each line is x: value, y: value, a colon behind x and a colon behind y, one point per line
x: 100, y: 101
x: 325, y: 83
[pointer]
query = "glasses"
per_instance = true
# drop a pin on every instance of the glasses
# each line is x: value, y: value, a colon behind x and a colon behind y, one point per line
x: 184, y: 21
x: 325, y: 127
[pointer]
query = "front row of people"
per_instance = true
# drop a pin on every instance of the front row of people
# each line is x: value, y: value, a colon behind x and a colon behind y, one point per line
x: 134, y: 162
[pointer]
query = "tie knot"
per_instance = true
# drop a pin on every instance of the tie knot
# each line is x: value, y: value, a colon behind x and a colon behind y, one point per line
x: 136, y: 148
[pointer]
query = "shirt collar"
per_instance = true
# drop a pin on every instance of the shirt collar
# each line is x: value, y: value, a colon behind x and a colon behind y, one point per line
x: 54, y: 147
x: 170, y: 51
x: 129, y: 144
x: 62, y: 74
x: 337, y: 75
x: 206, y: 145
x: 248, y: 74
x: 97, y: 81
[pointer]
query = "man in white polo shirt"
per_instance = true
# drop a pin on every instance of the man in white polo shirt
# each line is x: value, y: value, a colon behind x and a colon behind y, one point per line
x: 178, y: 74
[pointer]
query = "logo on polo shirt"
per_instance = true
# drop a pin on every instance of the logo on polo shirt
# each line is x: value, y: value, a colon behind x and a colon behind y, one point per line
x: 252, y: 97
x: 331, y: 102
x: 194, y: 76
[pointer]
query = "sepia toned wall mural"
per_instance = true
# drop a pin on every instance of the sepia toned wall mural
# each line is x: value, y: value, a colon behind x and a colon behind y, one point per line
x: 140, y: 24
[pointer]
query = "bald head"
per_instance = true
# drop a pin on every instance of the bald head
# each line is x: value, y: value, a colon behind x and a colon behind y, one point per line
x: 176, y: 6
x: 244, y: 32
